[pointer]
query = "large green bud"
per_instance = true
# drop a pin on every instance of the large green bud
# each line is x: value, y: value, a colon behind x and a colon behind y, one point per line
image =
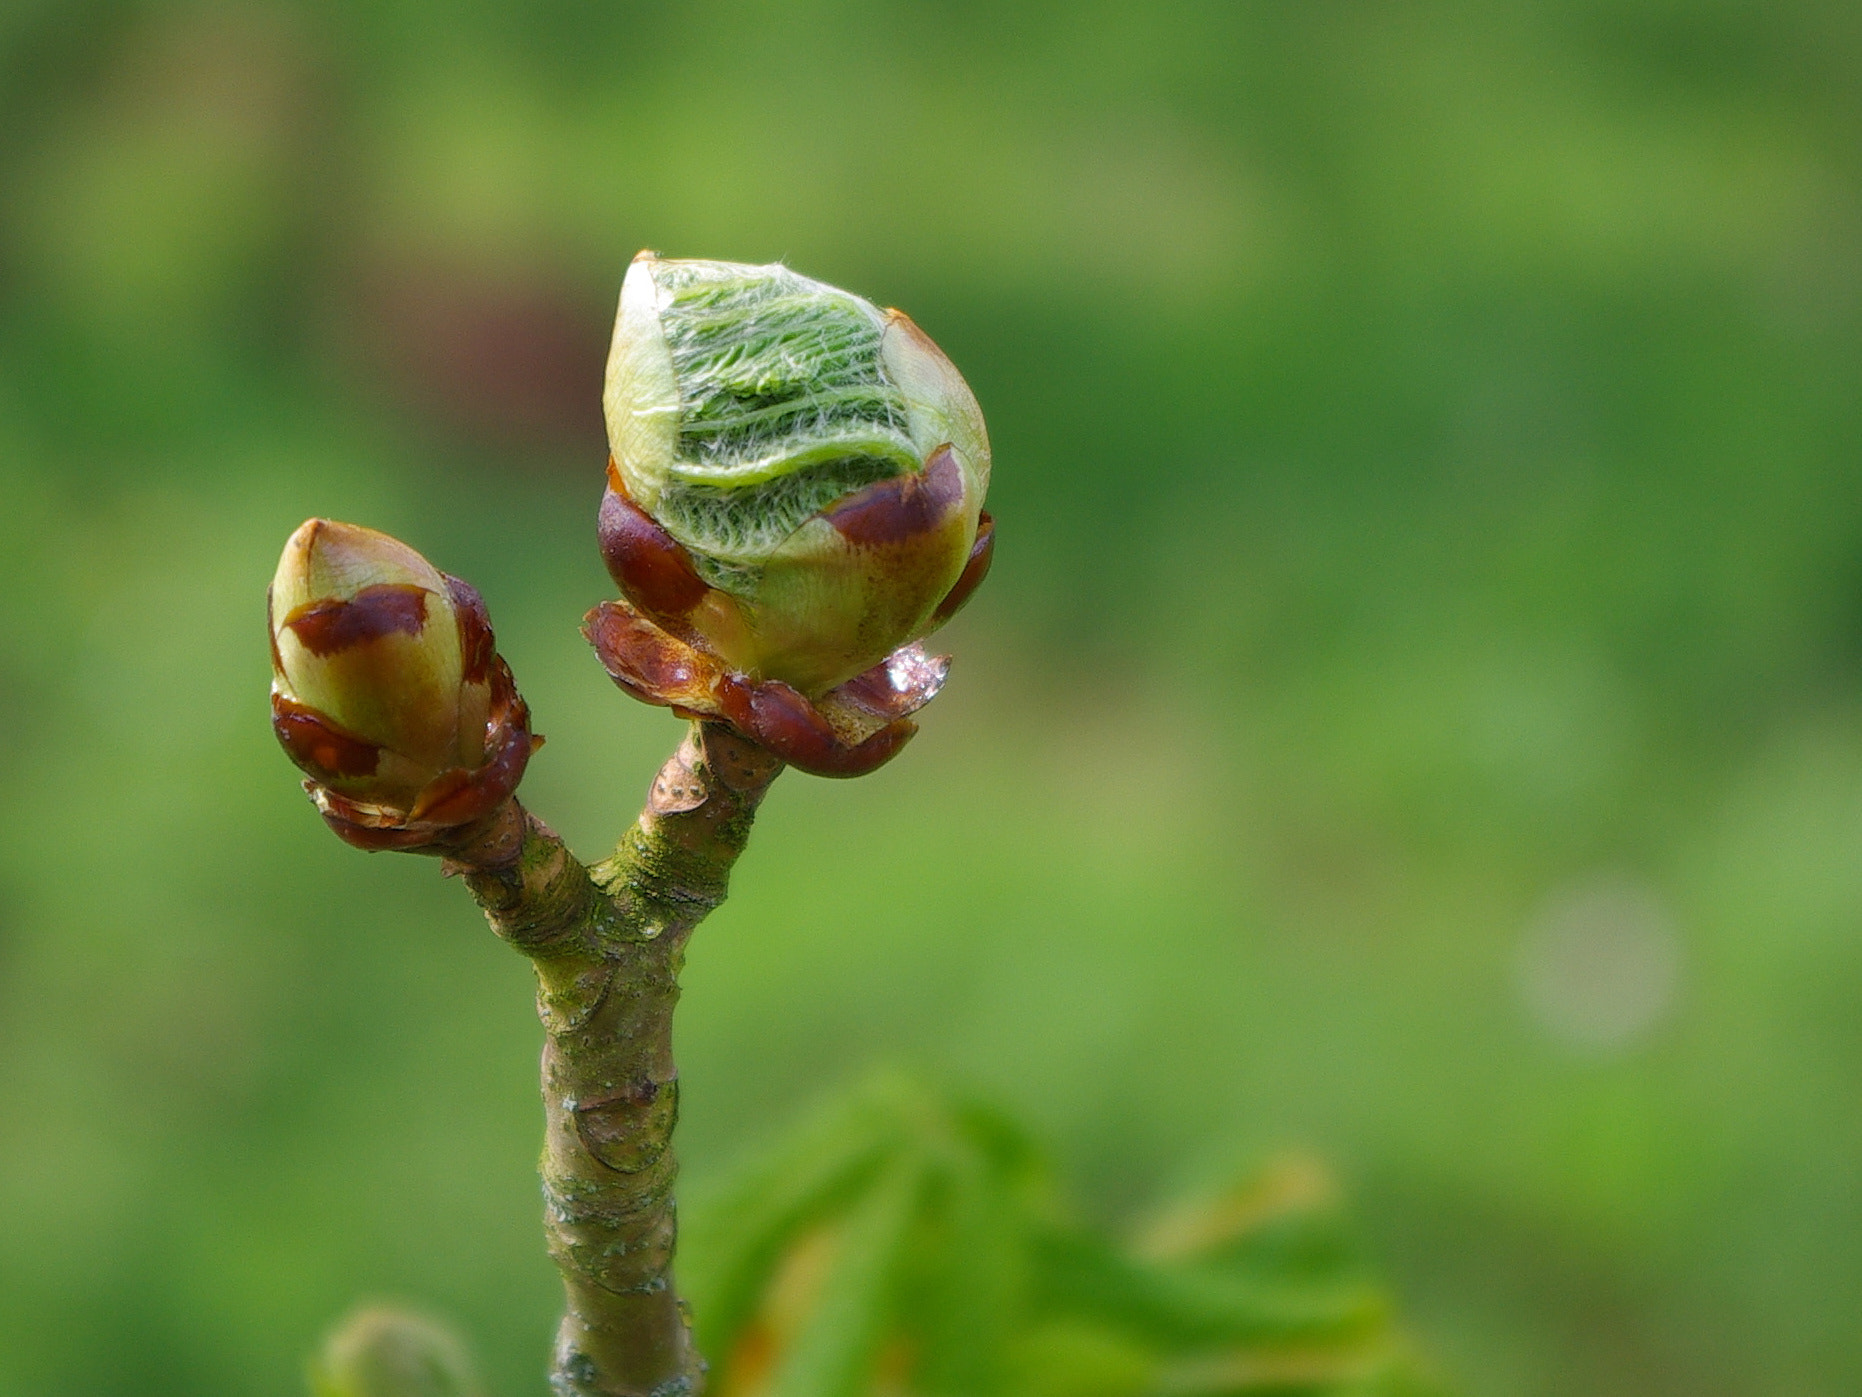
x: 797, y: 476
x: 387, y: 688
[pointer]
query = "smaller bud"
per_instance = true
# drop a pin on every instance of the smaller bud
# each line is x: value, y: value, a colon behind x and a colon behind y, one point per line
x: 380, y: 1351
x: 387, y: 689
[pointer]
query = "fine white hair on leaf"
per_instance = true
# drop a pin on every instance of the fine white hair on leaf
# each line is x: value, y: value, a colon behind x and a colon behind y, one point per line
x: 785, y: 406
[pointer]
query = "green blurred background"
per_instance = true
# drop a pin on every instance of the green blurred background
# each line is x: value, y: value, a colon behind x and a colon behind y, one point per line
x: 1416, y: 716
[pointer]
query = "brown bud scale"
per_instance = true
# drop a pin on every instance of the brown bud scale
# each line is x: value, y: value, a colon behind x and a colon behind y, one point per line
x: 892, y: 511
x: 320, y: 748
x: 326, y: 627
x: 477, y: 647
x: 649, y: 565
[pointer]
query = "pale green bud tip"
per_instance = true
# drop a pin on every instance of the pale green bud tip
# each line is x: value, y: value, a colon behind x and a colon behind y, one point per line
x: 381, y: 1351
x: 328, y: 561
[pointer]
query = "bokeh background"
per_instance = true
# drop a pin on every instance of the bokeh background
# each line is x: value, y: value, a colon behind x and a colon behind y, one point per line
x: 1416, y: 716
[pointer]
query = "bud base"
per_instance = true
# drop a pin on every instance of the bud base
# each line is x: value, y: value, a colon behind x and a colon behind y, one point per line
x: 850, y: 730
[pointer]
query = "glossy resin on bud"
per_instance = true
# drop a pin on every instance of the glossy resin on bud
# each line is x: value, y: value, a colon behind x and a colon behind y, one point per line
x: 797, y: 476
x: 387, y: 689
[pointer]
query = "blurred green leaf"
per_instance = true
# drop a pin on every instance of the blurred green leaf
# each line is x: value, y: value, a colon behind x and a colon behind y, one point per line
x: 950, y: 1268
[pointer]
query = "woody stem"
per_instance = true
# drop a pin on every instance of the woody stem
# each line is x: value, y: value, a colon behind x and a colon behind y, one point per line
x: 607, y: 941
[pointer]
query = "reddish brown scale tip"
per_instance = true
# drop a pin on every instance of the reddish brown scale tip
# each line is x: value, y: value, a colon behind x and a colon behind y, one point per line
x: 459, y: 796
x: 325, y: 627
x: 651, y: 665
x: 844, y: 763
x: 897, y: 687
x: 982, y: 554
x: 376, y: 839
x: 477, y: 646
x: 781, y: 719
x: 648, y: 564
x: 506, y: 705
x: 892, y: 511
x: 319, y: 747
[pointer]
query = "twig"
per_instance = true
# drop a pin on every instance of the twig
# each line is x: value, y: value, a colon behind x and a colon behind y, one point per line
x: 608, y: 941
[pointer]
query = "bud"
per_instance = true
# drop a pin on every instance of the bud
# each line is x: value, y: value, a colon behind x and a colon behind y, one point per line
x: 387, y: 689
x: 380, y: 1351
x: 794, y: 493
